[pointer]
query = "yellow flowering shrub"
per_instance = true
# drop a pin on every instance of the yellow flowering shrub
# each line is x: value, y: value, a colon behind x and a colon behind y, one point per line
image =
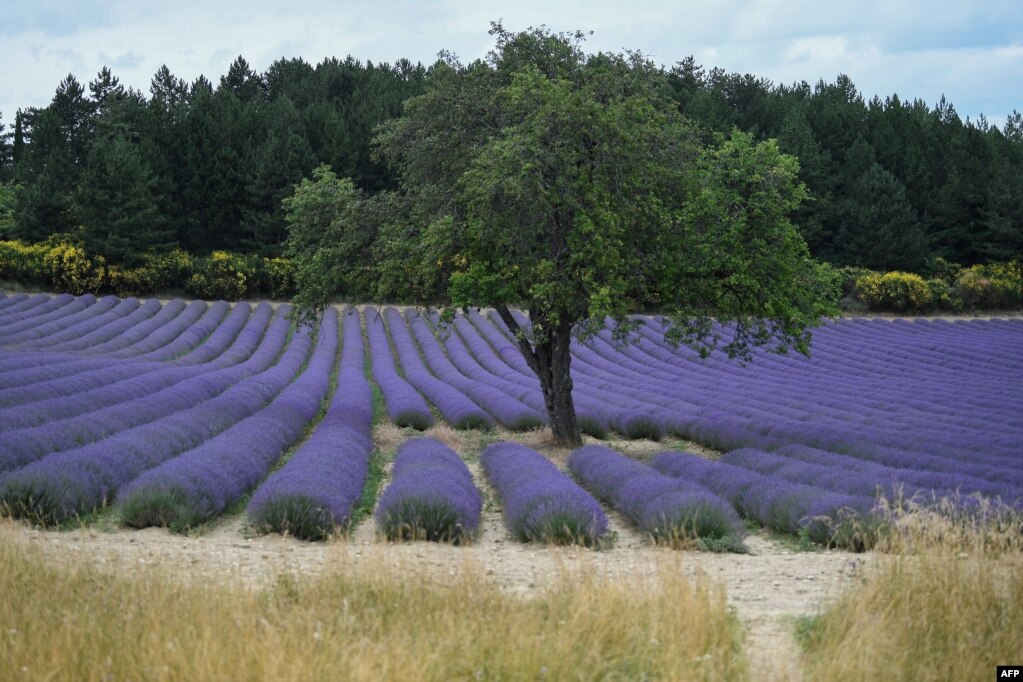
x: 894, y: 291
x: 218, y: 276
x: 22, y: 262
x: 131, y: 282
x: 279, y: 277
x: 68, y: 268
x: 993, y: 286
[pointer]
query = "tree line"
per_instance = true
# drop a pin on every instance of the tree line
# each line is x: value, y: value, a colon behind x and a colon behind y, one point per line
x: 892, y: 183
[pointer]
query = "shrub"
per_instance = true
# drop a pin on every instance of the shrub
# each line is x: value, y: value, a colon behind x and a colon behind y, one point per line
x: 848, y: 277
x: 131, y: 282
x: 170, y: 270
x: 894, y: 291
x: 218, y: 276
x: 278, y: 277
x: 67, y: 267
x: 943, y: 297
x: 993, y: 286
x: 22, y: 262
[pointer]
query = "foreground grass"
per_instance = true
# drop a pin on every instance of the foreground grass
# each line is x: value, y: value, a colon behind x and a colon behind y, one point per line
x: 77, y: 622
x: 944, y: 601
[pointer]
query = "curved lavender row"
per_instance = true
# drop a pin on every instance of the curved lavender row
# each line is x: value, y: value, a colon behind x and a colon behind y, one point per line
x: 22, y: 446
x: 179, y: 344
x: 541, y: 503
x: 34, y: 383
x: 405, y: 405
x: 200, y: 483
x: 8, y: 319
x: 431, y: 495
x: 712, y: 433
x: 632, y: 414
x: 124, y: 388
x: 315, y: 493
x: 164, y: 334
x: 507, y: 410
x: 73, y: 331
x: 7, y: 302
x: 666, y: 508
x: 455, y: 406
x: 842, y: 360
x: 113, y: 329
x: 165, y: 315
x: 828, y: 517
x: 868, y: 481
x: 42, y: 330
x: 501, y: 354
x: 71, y: 483
x: 26, y: 303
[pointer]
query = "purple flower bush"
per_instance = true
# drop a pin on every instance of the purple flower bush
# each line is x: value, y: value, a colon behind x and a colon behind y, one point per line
x: 405, y: 405
x: 314, y: 494
x: 199, y: 484
x: 40, y: 333
x: 431, y: 495
x: 458, y: 409
x: 508, y: 410
x: 826, y: 517
x: 668, y: 509
x: 541, y: 503
x: 28, y: 444
x: 67, y: 484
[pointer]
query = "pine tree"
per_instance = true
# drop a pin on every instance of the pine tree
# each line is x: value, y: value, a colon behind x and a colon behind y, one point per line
x: 118, y: 204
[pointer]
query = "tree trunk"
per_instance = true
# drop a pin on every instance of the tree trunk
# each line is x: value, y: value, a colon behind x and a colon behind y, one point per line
x: 550, y: 359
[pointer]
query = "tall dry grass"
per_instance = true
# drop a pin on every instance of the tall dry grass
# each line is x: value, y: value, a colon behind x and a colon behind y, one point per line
x: 942, y: 601
x: 78, y: 622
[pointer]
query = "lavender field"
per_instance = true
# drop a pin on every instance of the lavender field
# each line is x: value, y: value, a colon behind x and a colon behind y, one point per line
x: 173, y: 413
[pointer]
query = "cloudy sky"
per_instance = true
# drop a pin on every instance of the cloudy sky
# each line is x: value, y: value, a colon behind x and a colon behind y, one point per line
x: 971, y: 52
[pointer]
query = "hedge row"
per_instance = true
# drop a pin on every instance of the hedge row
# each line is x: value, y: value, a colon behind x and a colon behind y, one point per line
x: 64, y: 265
x: 996, y: 286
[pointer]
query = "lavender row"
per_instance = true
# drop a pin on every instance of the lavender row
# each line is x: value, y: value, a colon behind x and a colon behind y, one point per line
x: 668, y: 509
x: 315, y: 493
x: 828, y: 518
x: 74, y: 378
x: 21, y: 446
x: 200, y: 483
x: 41, y: 332
x: 541, y: 503
x: 509, y: 411
x: 504, y: 359
x: 13, y: 322
x: 458, y: 409
x: 431, y: 495
x: 405, y: 405
x: 34, y: 313
x: 130, y: 398
x: 115, y: 327
x: 120, y: 309
x: 174, y: 340
x: 74, y: 482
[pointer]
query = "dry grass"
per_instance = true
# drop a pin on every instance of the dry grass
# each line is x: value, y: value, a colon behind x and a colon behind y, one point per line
x: 944, y: 601
x: 77, y: 622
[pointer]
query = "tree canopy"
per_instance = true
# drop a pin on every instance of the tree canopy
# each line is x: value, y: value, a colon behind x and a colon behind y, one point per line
x: 569, y: 184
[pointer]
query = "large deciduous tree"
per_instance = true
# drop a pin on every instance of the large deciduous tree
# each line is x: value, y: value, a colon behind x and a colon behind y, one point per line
x: 570, y: 185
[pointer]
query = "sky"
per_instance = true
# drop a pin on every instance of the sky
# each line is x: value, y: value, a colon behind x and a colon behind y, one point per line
x: 970, y: 52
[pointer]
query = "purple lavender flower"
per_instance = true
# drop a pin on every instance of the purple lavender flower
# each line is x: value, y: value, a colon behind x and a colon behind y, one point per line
x: 431, y: 495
